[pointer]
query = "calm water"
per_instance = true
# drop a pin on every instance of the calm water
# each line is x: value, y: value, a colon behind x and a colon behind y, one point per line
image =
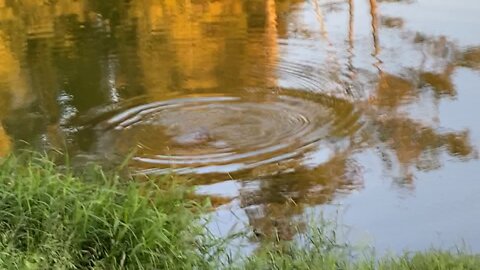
x: 277, y: 108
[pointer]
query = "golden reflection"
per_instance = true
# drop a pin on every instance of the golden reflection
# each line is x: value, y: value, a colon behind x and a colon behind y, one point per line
x: 351, y: 26
x: 12, y: 89
x: 416, y: 145
x: 392, y: 91
x: 440, y: 83
x: 94, y: 60
x: 5, y: 143
x: 206, y: 47
x: 272, y: 208
x: 374, y: 23
x: 351, y: 37
x: 271, y: 36
x: 470, y: 58
x: 391, y: 22
x: 321, y: 19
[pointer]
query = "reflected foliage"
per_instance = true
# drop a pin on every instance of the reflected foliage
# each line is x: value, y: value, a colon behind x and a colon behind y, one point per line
x: 470, y: 58
x: 67, y: 66
x: 391, y: 22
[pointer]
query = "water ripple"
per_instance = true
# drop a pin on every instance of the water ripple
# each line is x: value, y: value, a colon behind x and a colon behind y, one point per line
x: 214, y: 133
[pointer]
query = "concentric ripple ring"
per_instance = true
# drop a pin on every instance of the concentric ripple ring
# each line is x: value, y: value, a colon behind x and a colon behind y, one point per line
x: 216, y: 133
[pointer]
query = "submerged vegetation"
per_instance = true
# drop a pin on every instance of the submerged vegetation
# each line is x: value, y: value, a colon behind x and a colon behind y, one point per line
x: 54, y: 218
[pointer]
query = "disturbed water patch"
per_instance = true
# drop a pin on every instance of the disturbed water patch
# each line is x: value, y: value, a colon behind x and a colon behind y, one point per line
x: 213, y: 133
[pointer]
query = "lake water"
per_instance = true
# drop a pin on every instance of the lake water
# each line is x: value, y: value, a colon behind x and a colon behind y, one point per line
x: 277, y: 109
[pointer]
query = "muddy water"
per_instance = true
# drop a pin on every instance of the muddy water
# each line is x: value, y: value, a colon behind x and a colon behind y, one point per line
x: 278, y: 109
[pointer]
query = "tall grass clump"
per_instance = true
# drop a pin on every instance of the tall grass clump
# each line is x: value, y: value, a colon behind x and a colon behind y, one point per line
x: 433, y: 259
x: 317, y: 248
x: 51, y: 218
x: 324, y: 255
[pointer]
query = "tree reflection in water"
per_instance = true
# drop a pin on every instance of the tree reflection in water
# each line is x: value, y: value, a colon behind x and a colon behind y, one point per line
x: 65, y: 60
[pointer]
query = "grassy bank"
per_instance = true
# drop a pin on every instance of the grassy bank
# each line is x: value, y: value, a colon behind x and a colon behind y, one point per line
x: 52, y: 218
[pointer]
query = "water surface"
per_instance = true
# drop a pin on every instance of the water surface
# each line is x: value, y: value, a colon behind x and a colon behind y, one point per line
x: 277, y: 108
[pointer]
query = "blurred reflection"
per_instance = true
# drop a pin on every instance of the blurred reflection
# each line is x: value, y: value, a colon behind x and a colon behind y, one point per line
x: 416, y: 146
x: 275, y: 207
x: 321, y: 19
x: 373, y: 13
x: 470, y: 58
x: 231, y: 89
x: 13, y: 93
x: 392, y: 91
x: 391, y: 22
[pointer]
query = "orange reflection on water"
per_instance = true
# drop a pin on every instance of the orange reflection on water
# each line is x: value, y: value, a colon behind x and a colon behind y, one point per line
x: 241, y: 90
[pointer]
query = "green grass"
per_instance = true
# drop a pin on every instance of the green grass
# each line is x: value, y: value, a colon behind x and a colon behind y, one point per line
x: 53, y: 218
x: 321, y: 253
